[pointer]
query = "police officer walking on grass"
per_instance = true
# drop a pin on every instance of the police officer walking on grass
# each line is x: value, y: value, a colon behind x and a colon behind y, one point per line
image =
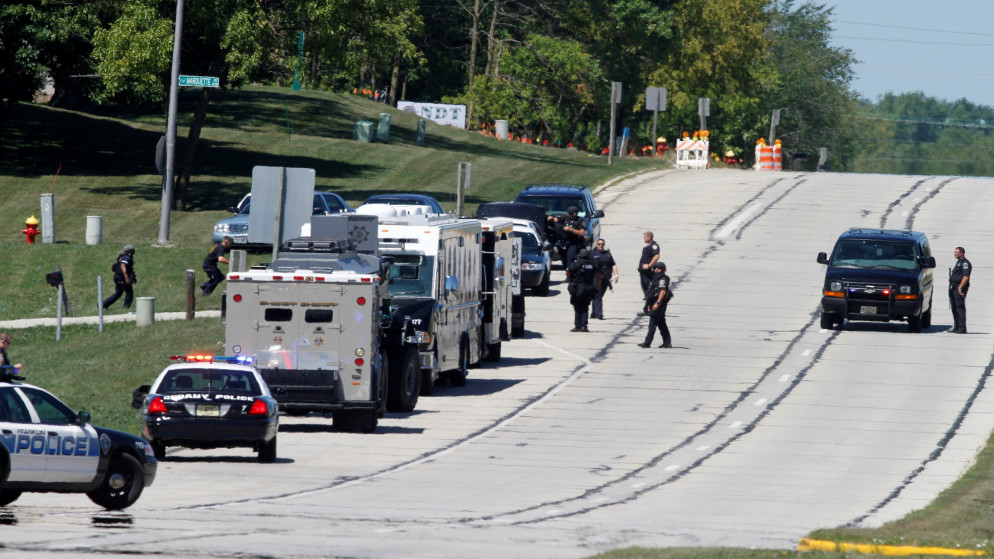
x: 657, y: 298
x: 124, y: 278
x: 959, y: 283
x: 214, y: 275
x: 584, y: 278
x: 601, y: 255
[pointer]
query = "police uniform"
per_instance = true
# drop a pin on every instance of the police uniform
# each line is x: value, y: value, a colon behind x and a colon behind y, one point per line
x: 650, y: 250
x: 125, y: 267
x: 655, y: 308
x: 574, y: 241
x: 957, y: 302
x: 583, y: 276
x: 214, y: 275
x: 605, y: 264
x: 4, y: 358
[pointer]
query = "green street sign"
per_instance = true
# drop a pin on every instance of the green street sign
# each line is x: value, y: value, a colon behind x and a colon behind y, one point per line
x: 199, y: 81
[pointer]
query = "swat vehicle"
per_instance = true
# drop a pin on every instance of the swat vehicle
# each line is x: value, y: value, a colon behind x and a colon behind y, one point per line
x: 878, y: 275
x: 313, y: 321
x: 435, y: 290
x: 501, y: 277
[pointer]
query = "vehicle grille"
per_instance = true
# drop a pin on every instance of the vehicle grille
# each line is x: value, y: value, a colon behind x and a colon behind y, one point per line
x: 238, y: 228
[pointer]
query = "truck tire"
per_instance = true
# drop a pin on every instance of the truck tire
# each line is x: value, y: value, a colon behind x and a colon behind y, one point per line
x: 381, y: 398
x: 827, y: 321
x: 458, y: 376
x: 915, y: 324
x: 518, y: 309
x: 927, y: 315
x: 354, y: 421
x: 405, y: 381
x: 493, y: 352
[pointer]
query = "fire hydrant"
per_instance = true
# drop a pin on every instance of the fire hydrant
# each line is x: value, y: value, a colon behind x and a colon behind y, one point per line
x: 31, y: 229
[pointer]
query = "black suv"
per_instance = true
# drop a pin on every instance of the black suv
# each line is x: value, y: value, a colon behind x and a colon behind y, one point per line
x: 556, y: 199
x: 880, y: 275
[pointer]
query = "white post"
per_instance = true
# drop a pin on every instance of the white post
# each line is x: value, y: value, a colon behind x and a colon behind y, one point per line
x: 146, y: 311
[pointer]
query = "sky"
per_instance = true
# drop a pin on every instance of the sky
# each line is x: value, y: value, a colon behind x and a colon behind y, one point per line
x: 942, y: 48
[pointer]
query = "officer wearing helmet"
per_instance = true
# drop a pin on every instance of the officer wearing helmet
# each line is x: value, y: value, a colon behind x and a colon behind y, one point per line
x: 575, y: 231
x: 657, y: 297
x: 584, y: 278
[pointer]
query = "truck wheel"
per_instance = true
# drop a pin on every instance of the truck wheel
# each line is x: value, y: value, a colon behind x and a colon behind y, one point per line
x: 122, y: 485
x: 827, y: 321
x: 915, y: 324
x: 267, y: 452
x: 381, y: 390
x: 542, y: 289
x: 493, y: 352
x: 427, y: 384
x: 405, y: 382
x: 159, y: 450
x: 517, y: 309
x: 458, y: 377
x: 927, y: 315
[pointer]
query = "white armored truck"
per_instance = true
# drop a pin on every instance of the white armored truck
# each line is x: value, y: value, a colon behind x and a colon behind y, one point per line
x: 435, y: 290
x: 313, y: 320
x: 501, y: 273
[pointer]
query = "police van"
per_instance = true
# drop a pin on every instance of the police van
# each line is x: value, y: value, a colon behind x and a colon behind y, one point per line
x: 45, y: 446
x: 435, y: 290
x: 501, y: 283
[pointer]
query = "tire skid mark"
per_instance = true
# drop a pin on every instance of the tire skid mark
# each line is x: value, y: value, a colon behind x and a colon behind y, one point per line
x: 893, y: 205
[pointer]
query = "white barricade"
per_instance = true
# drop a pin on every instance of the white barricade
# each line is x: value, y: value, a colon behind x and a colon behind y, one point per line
x: 692, y: 154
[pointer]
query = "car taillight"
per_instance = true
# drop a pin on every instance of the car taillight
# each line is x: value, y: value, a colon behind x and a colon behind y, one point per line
x: 157, y: 405
x: 259, y: 407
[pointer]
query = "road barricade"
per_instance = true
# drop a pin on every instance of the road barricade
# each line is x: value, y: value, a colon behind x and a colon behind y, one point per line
x: 691, y: 154
x: 769, y: 158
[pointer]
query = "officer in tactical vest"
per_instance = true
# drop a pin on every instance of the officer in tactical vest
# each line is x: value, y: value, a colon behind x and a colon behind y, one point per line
x: 584, y: 278
x: 959, y: 283
x: 575, y: 231
x: 601, y: 255
x: 124, y: 278
x: 657, y: 297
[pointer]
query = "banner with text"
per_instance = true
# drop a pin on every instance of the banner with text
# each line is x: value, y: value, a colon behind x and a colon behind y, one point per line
x: 450, y: 115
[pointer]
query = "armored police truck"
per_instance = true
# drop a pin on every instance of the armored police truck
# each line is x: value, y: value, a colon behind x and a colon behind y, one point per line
x: 313, y: 321
x: 434, y: 288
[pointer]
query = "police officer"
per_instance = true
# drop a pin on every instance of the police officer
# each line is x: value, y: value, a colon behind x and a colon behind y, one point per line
x: 214, y: 275
x: 959, y: 283
x: 650, y: 254
x: 584, y: 279
x: 5, y: 340
x: 575, y: 231
x: 657, y: 298
x: 124, y: 278
x: 601, y: 255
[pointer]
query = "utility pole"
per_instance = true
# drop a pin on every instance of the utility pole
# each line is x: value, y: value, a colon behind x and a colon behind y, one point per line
x: 167, y: 178
x: 615, y: 99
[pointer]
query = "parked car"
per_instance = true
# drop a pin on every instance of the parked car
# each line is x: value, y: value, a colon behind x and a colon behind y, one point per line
x: 45, y: 446
x: 557, y: 199
x: 325, y: 203
x: 404, y: 199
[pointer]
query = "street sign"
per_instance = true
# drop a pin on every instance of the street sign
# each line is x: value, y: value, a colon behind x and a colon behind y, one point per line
x: 655, y: 98
x: 199, y: 81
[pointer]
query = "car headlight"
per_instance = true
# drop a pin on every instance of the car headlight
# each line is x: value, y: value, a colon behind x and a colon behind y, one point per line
x: 221, y: 228
x: 905, y: 289
x: 532, y: 265
x: 835, y: 286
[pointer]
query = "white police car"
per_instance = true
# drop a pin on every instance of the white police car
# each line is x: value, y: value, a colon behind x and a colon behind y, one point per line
x: 47, y: 447
x: 208, y: 401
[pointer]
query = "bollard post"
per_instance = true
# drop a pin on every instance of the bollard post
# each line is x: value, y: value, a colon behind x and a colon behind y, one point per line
x: 94, y: 229
x: 191, y: 302
x: 58, y: 316
x: 146, y: 311
x: 100, y: 303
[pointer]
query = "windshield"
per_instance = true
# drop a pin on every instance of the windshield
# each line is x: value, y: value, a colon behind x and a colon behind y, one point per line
x: 556, y: 205
x: 873, y: 253
x: 528, y: 241
x: 411, y: 276
x: 208, y: 380
x: 245, y: 210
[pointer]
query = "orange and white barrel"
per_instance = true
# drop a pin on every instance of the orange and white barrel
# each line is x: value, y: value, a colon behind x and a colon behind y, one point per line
x: 764, y: 158
x: 777, y: 158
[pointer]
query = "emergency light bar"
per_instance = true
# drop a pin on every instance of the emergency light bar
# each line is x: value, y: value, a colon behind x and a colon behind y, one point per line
x: 207, y: 358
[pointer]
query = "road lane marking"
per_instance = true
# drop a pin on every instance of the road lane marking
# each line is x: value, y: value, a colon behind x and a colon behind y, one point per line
x: 672, y: 467
x: 806, y: 353
x: 760, y: 402
x: 735, y: 223
x: 735, y: 425
x: 703, y: 447
x: 784, y: 378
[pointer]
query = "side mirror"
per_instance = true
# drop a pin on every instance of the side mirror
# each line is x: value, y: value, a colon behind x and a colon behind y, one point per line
x: 82, y: 418
x: 928, y: 262
x: 451, y: 286
x: 598, y: 213
x: 232, y: 209
x: 822, y: 258
x: 280, y: 391
x: 317, y: 211
x: 546, y: 246
x: 138, y: 396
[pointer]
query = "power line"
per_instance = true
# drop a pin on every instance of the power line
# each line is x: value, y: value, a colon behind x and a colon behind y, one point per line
x: 956, y: 32
x: 932, y: 122
x: 917, y: 42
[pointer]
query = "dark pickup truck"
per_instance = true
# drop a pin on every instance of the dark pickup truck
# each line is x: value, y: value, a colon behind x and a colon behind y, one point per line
x: 878, y: 275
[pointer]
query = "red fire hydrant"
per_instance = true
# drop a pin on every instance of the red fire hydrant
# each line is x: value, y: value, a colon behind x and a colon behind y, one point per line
x: 31, y: 229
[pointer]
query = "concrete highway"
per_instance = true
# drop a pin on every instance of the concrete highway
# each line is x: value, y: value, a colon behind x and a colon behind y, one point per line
x: 754, y: 429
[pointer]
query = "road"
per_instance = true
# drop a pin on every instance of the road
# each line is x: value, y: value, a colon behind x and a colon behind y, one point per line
x: 756, y: 428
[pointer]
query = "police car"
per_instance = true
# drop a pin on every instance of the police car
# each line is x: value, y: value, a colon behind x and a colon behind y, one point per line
x: 47, y: 447
x: 206, y: 401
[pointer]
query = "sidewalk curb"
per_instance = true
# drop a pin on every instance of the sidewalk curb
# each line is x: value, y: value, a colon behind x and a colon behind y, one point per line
x: 72, y: 320
x: 806, y: 544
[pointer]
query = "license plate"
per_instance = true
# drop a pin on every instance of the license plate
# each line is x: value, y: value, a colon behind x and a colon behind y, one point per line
x: 241, y: 239
x: 208, y: 411
x: 867, y: 310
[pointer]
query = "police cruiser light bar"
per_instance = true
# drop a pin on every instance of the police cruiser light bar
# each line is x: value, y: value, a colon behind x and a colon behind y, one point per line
x: 201, y: 358
x: 9, y: 373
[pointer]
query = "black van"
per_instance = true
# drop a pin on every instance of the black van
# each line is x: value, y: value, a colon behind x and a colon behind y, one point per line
x: 879, y: 275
